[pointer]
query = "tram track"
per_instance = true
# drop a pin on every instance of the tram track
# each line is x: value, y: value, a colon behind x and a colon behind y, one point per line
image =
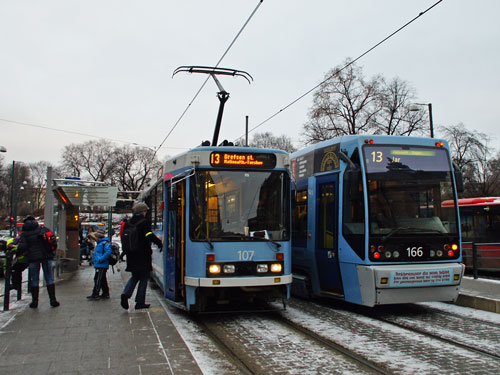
x: 435, y: 349
x: 421, y: 326
x: 250, y: 356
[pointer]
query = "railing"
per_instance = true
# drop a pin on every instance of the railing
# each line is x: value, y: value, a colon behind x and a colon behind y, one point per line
x: 481, y: 257
x: 7, y: 281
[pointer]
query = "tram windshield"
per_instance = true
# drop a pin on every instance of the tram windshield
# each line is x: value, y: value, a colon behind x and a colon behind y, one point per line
x: 239, y: 206
x: 406, y: 188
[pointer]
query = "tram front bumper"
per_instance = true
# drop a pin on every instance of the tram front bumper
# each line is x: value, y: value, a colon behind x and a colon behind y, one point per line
x: 237, y: 281
x: 406, y: 283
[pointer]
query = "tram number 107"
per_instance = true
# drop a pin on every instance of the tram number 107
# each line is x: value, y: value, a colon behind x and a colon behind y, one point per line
x: 415, y: 252
x: 246, y: 254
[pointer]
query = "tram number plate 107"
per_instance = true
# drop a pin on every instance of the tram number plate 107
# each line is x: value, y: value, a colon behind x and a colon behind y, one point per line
x: 246, y: 254
x: 415, y: 251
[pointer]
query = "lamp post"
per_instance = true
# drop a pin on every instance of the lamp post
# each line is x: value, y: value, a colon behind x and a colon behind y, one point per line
x: 3, y: 149
x: 13, y: 218
x: 414, y: 107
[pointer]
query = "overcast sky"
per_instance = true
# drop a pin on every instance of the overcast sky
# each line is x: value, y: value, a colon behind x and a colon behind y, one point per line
x: 105, y: 67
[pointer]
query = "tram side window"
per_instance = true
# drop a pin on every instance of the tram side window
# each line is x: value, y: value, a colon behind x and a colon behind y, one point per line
x: 159, y: 207
x: 353, y: 215
x: 299, y: 219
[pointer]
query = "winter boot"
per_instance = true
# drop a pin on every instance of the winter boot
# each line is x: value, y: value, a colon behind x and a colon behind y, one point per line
x: 34, y: 297
x: 51, y: 289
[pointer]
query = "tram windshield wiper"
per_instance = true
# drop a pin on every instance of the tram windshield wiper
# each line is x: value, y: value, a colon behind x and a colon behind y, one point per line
x: 241, y: 236
x: 409, y: 229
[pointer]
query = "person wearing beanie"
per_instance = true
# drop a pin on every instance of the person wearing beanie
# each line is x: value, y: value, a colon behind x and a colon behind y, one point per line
x: 100, y: 260
x: 139, y: 261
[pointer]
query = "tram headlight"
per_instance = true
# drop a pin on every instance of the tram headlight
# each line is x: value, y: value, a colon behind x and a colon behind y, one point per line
x: 214, y: 268
x: 395, y: 254
x: 387, y: 254
x: 276, y: 267
x: 454, y: 247
x: 262, y: 268
x: 432, y: 253
x: 229, y: 268
x: 439, y: 253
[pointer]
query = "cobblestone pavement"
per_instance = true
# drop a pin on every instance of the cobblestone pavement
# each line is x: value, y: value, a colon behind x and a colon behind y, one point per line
x: 92, y: 337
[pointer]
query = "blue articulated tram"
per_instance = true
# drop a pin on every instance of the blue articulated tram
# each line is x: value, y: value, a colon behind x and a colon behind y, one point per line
x: 368, y: 221
x: 224, y: 216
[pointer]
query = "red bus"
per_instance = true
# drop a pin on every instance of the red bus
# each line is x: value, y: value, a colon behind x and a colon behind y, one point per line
x: 480, y: 224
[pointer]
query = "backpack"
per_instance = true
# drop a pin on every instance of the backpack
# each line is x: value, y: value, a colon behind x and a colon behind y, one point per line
x: 130, y: 237
x: 50, y: 241
x: 115, y: 254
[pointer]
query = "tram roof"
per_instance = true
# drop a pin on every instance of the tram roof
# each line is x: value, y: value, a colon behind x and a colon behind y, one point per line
x: 201, y: 156
x: 377, y: 139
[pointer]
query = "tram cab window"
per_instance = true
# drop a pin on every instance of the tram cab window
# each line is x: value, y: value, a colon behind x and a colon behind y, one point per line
x: 299, y: 218
x: 239, y: 205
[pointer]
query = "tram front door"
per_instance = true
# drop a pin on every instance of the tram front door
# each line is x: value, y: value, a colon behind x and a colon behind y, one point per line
x: 174, y: 258
x: 327, y: 259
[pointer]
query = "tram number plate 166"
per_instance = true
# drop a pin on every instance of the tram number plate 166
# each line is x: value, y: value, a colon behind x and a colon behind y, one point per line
x: 415, y: 251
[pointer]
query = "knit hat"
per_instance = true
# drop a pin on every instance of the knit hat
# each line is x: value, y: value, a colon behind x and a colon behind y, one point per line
x: 99, y: 234
x: 29, y: 218
x: 140, y: 207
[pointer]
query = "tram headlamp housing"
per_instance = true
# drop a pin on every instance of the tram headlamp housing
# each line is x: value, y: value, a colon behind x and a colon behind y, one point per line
x: 262, y: 268
x: 214, y: 268
x: 229, y: 268
x: 276, y: 267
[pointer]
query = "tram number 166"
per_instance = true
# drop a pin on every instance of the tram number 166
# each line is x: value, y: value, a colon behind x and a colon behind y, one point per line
x: 246, y: 254
x: 415, y: 252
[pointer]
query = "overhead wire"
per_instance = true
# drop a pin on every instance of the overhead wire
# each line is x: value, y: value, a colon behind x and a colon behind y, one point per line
x: 208, y: 77
x: 79, y: 133
x: 344, y: 67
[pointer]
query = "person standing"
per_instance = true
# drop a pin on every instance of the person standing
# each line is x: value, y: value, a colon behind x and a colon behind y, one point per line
x: 139, y: 261
x: 100, y: 259
x: 34, y: 244
x: 19, y: 263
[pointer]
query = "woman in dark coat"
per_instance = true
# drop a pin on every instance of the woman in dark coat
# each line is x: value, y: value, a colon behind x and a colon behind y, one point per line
x: 139, y: 261
x: 34, y: 245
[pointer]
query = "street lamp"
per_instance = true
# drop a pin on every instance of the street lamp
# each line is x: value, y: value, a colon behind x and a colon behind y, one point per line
x: 415, y: 107
x: 3, y: 149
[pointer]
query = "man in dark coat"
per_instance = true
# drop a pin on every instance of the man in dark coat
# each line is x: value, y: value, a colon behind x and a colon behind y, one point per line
x: 34, y: 246
x: 139, y: 261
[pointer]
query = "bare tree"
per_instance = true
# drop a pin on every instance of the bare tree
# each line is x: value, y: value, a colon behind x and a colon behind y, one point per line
x: 348, y: 103
x: 135, y: 167
x: 92, y: 159
x: 342, y: 105
x: 395, y: 117
x: 268, y: 140
x: 471, y: 153
x: 38, y: 180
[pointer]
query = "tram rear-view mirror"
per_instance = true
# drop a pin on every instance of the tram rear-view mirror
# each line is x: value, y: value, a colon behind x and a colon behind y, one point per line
x: 459, y: 180
x: 354, y: 178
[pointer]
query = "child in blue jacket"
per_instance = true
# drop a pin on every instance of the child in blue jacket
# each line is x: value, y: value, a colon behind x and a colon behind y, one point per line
x: 100, y: 260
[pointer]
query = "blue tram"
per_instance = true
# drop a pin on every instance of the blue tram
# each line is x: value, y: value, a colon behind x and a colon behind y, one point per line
x: 368, y: 223
x: 224, y: 216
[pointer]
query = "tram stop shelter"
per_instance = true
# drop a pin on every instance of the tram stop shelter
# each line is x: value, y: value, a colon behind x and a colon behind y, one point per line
x: 70, y: 195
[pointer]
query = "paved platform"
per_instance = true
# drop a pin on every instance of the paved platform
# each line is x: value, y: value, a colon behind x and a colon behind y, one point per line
x: 91, y: 337
x: 100, y: 337
x: 482, y: 294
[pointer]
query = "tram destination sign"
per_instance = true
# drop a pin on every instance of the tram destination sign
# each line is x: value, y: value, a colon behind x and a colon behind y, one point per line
x: 242, y: 160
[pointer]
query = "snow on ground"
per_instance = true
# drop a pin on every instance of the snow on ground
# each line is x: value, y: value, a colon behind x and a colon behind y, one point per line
x: 202, y: 348
x: 468, y: 312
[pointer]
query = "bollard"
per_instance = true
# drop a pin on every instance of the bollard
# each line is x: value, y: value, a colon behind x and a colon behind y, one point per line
x: 474, y: 260
x: 6, y: 296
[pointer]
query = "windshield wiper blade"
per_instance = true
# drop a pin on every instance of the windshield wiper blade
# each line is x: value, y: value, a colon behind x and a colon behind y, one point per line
x: 252, y: 238
x: 411, y: 229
